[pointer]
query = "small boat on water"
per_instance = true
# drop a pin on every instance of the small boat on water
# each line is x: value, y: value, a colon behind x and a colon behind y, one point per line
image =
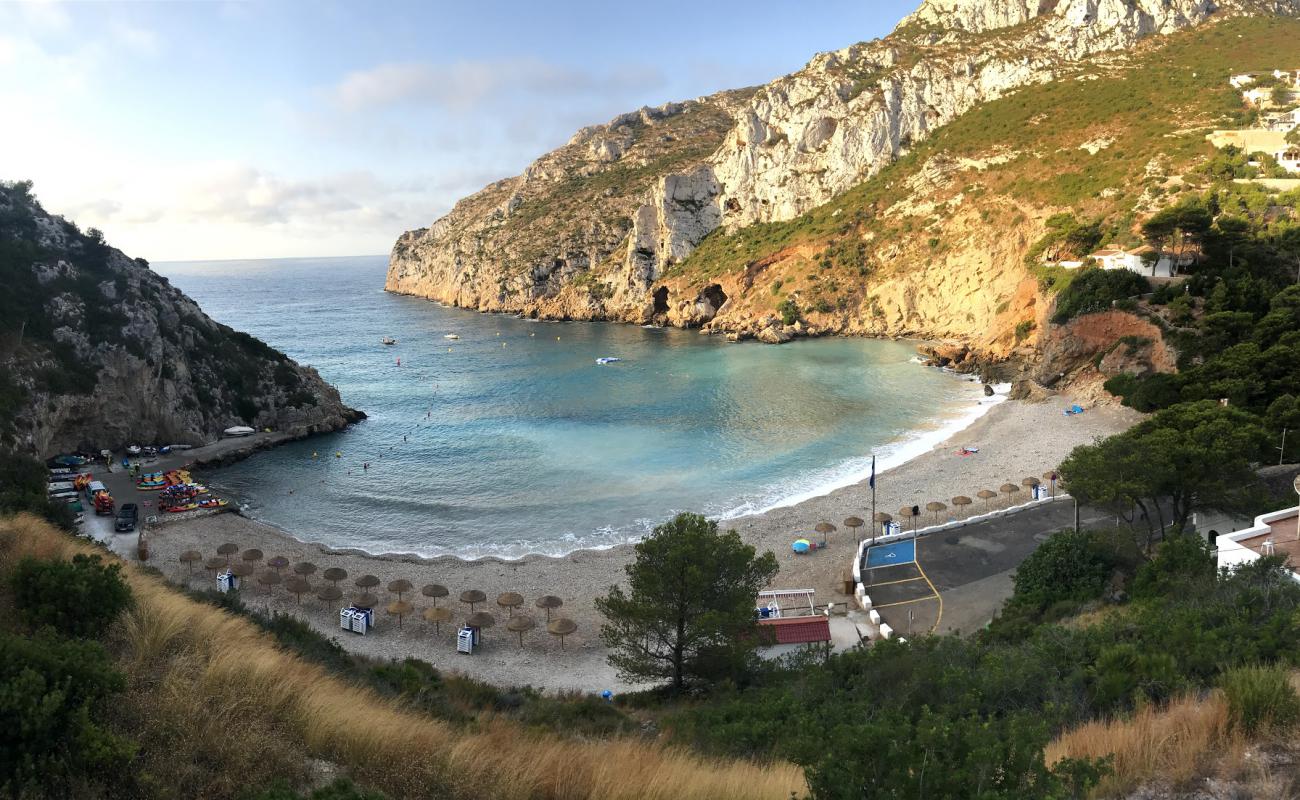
x: 239, y: 430
x: 451, y: 336
x: 608, y: 360
x: 388, y: 340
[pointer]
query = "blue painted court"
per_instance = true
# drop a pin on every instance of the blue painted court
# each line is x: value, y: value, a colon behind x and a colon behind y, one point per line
x: 892, y: 555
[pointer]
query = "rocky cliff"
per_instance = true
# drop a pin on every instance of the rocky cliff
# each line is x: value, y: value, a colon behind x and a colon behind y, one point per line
x: 778, y: 154
x: 97, y: 350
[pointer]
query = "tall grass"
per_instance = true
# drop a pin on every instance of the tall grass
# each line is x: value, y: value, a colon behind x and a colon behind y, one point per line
x: 225, y: 708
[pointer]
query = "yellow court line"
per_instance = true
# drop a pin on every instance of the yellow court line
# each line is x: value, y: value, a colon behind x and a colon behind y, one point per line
x: 891, y: 583
x: 936, y: 594
x: 906, y: 602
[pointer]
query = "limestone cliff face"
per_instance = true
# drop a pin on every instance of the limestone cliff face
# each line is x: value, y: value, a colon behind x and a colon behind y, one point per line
x: 765, y: 156
x: 97, y: 350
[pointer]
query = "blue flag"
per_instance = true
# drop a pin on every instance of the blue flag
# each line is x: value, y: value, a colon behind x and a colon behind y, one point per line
x: 872, y: 480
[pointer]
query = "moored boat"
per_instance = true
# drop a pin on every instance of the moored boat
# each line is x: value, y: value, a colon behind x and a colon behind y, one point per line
x: 239, y: 430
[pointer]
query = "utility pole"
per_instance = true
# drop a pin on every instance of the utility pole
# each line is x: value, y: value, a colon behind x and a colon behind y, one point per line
x: 1281, y: 451
x: 1076, y: 514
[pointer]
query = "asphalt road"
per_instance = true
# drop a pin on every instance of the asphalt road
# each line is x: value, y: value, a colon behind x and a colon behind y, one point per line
x: 961, y: 577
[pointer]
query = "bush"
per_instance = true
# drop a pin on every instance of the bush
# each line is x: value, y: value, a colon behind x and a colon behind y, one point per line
x: 1071, y: 566
x: 78, y: 598
x: 789, y: 311
x: 51, y: 690
x: 22, y: 484
x: 1097, y: 290
x: 1259, y: 698
x: 1183, y: 563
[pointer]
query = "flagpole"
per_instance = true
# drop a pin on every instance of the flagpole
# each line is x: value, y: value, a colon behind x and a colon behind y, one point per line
x: 876, y: 523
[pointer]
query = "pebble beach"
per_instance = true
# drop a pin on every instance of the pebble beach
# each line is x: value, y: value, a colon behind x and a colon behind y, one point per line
x: 1015, y: 439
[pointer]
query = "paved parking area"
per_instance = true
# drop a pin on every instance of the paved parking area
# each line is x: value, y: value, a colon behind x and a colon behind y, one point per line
x: 961, y: 577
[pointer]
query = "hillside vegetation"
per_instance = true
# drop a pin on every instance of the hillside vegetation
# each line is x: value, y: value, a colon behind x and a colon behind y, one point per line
x: 193, y: 701
x: 936, y: 244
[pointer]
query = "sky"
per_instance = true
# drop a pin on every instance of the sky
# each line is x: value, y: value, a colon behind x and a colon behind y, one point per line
x: 215, y: 130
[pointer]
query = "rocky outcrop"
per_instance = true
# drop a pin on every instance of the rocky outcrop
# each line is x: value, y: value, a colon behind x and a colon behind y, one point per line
x: 98, y: 351
x: 599, y: 228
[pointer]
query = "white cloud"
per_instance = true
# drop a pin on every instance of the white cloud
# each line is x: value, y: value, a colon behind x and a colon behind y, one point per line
x: 465, y: 85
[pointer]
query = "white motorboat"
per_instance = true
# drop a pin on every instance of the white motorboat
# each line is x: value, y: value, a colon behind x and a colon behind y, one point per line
x: 239, y: 430
x: 451, y: 336
x: 388, y: 340
x: 608, y: 360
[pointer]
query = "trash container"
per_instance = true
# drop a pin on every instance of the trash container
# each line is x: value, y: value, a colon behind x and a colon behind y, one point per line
x: 465, y: 641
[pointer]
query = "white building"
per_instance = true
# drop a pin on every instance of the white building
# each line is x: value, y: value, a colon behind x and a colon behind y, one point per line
x: 1288, y: 158
x: 1280, y: 121
x: 1272, y: 534
x: 1141, y: 260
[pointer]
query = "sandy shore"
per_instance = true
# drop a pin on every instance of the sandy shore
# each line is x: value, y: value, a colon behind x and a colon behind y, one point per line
x: 1015, y: 440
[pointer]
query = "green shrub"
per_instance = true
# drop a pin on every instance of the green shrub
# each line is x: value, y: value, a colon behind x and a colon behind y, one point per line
x: 78, y: 598
x: 1095, y: 290
x: 789, y: 311
x: 52, y: 691
x: 1260, y: 698
x: 1071, y: 566
x: 22, y: 486
x: 1023, y: 329
x: 1183, y: 563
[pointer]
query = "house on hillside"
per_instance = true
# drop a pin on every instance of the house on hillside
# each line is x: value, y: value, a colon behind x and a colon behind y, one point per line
x: 1288, y: 158
x: 1258, y: 97
x: 1280, y: 121
x: 1272, y: 534
x: 1242, y: 80
x: 1142, y: 260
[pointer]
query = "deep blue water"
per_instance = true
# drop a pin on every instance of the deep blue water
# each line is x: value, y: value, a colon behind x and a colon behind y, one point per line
x: 513, y: 440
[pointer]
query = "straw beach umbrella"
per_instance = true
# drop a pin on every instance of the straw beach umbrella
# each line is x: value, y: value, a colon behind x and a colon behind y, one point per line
x: 1008, y: 489
x: 297, y: 586
x: 334, y: 574
x: 1031, y: 484
x: 189, y: 558
x: 269, y: 579
x: 1052, y: 477
x: 986, y: 495
x: 228, y: 549
x: 366, y: 582
x: 471, y: 597
x: 548, y: 602
x: 400, y: 587
x: 906, y: 512
x: 214, y: 564
x: 961, y: 501
x: 934, y: 506
x: 520, y: 625
x: 510, y: 601
x: 365, y: 600
x: 277, y: 563
x: 252, y: 555
x: 853, y: 523
x: 480, y: 619
x: 400, y: 609
x: 304, y: 569
x: 437, y: 616
x: 562, y: 627
x: 434, y: 591
x: 330, y: 594
x: 825, y: 529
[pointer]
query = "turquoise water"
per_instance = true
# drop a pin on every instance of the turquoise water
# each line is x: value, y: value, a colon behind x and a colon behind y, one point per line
x: 512, y: 440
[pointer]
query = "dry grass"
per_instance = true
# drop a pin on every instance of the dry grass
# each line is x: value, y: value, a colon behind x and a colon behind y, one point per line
x: 225, y: 708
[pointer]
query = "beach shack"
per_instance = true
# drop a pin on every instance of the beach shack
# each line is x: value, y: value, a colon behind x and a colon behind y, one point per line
x: 791, y: 616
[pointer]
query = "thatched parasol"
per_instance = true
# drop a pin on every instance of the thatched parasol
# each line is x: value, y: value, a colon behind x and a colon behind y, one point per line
x: 437, y: 616
x: 334, y: 575
x: 1030, y: 482
x: 1008, y: 489
x: 562, y: 627
x: 1052, y: 476
x: 189, y: 558
x: 400, y: 609
x: 510, y: 601
x: 986, y: 495
x: 366, y: 582
x: 214, y: 564
x: 365, y: 600
x: 906, y: 513
x: 400, y: 587
x: 520, y: 625
x: 277, y: 563
x: 548, y: 602
x: 434, y: 591
x: 228, y: 549
x: 304, y: 568
x: 480, y: 620
x: 252, y: 555
x: 241, y: 570
x: 825, y: 529
x: 472, y: 597
x: 269, y: 579
x: 330, y: 594
x: 853, y: 523
x: 935, y: 506
x: 298, y: 586
x: 961, y: 501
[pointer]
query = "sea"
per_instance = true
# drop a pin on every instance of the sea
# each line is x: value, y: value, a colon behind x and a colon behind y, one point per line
x: 512, y: 439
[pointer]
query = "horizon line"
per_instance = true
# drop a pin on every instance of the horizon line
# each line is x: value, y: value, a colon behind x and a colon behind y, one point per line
x: 257, y: 258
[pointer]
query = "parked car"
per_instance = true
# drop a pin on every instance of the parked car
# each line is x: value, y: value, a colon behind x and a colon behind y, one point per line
x: 127, y: 517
